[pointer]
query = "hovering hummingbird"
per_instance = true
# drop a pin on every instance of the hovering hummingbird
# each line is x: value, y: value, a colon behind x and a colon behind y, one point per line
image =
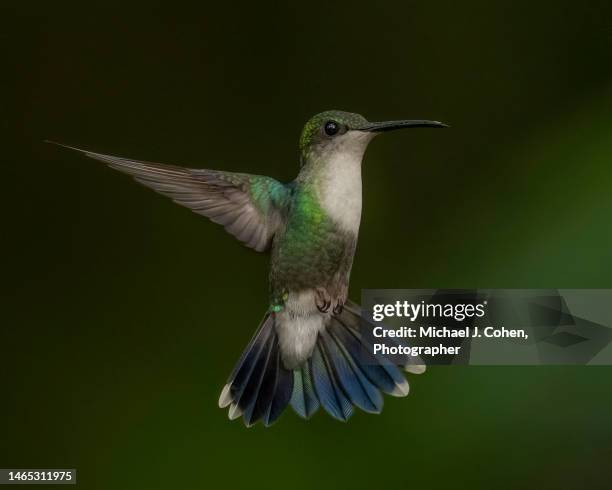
x: 310, y: 349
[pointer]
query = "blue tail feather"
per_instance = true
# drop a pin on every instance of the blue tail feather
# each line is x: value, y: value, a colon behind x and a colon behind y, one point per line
x: 249, y: 353
x: 251, y: 367
x: 282, y: 393
x: 262, y: 387
x: 331, y: 395
x: 304, y: 399
x: 258, y: 386
x: 380, y: 370
x: 342, y: 373
x: 359, y: 388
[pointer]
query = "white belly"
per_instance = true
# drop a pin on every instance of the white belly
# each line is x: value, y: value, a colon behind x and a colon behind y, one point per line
x: 298, y: 326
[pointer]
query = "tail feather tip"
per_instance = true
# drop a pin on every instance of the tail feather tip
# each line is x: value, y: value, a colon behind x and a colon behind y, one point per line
x: 225, y: 399
x: 401, y: 389
x: 415, y: 368
x: 234, y: 412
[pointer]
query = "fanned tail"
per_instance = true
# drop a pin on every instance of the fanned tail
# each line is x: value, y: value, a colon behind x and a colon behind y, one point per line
x: 341, y: 374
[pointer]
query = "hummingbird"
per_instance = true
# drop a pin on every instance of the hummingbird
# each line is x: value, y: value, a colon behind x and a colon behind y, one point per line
x: 311, y: 349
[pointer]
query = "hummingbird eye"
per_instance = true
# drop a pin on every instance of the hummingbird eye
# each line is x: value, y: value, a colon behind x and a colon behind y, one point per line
x: 331, y: 128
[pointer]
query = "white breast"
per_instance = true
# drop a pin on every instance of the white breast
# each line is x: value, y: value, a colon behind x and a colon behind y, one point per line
x: 341, y: 190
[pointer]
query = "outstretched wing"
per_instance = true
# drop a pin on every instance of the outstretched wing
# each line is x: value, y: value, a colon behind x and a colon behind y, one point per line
x: 250, y: 207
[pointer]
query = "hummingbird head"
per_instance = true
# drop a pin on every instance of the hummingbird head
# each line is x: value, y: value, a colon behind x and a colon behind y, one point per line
x: 332, y: 133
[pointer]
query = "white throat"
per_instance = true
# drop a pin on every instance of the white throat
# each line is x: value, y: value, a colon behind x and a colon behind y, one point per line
x: 341, y: 191
x: 340, y: 186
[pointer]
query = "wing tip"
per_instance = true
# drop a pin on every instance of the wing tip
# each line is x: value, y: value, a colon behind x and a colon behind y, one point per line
x: 56, y: 143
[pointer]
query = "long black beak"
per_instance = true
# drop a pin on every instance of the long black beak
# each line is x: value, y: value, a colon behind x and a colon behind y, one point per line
x: 379, y: 127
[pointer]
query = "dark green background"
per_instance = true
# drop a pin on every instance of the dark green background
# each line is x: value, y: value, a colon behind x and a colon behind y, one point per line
x: 123, y: 313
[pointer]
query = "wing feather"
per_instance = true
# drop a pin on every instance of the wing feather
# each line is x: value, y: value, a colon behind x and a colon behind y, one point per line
x: 250, y: 207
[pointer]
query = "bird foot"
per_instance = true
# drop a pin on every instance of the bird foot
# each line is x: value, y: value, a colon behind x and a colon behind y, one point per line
x: 323, y: 300
x: 338, y: 308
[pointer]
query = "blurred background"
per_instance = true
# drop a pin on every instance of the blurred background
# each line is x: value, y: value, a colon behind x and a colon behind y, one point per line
x: 123, y: 313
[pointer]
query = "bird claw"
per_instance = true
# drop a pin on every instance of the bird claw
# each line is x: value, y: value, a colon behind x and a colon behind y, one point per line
x: 323, y: 300
x: 324, y: 308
